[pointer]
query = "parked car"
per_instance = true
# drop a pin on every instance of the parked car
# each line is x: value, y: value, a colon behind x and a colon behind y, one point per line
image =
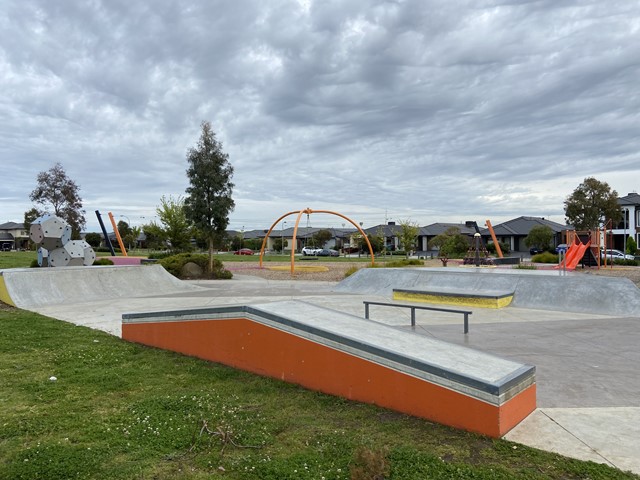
x: 536, y: 250
x: 243, y: 251
x: 310, y: 251
x: 328, y: 252
x: 612, y: 254
x: 563, y: 246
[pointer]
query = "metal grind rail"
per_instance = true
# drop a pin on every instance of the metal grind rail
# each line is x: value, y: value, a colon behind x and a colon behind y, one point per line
x: 413, y: 308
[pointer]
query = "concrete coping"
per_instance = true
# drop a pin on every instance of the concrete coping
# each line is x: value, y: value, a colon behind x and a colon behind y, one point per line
x: 456, y: 292
x: 478, y: 374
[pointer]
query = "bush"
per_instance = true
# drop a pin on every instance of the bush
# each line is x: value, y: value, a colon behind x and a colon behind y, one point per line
x: 546, y: 257
x: 174, y: 264
x: 34, y: 264
x: 628, y: 263
x: 505, y: 247
x: 103, y: 261
x: 160, y: 255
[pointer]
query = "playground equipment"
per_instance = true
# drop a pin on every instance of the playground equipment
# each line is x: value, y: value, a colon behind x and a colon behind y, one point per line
x: 574, y: 254
x: 55, y: 247
x: 308, y: 211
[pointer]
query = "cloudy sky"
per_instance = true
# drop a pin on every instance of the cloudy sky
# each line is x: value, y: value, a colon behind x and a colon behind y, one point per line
x: 421, y: 110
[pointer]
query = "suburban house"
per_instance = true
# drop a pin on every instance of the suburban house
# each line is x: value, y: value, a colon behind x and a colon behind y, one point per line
x: 629, y: 226
x: 514, y: 232
x: 13, y: 236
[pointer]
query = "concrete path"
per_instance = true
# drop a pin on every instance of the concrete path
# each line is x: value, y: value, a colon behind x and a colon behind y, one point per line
x: 588, y: 383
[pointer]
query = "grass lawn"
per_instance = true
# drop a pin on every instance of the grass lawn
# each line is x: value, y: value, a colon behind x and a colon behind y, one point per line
x: 15, y: 259
x: 119, y: 411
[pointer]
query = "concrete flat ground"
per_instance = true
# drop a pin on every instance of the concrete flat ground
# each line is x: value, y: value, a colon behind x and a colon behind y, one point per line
x: 587, y: 377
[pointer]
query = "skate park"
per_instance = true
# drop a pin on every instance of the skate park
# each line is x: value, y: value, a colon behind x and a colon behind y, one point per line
x: 573, y: 328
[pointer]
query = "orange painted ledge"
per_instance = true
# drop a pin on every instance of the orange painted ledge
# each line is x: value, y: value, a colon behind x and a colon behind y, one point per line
x: 323, y: 364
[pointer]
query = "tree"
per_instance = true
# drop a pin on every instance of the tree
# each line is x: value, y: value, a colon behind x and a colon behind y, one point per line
x: 320, y: 238
x: 175, y: 226
x: 208, y: 202
x: 591, y: 205
x: 408, y: 235
x: 156, y: 238
x: 93, y: 239
x: 59, y: 195
x: 450, y: 243
x: 539, y: 236
x: 632, y: 246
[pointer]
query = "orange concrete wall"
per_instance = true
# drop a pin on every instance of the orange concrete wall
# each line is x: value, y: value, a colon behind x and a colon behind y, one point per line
x: 261, y: 349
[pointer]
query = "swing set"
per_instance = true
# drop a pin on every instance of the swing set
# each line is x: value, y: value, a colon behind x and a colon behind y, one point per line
x: 308, y: 212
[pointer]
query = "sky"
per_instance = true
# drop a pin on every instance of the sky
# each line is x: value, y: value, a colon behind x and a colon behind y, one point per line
x: 423, y: 111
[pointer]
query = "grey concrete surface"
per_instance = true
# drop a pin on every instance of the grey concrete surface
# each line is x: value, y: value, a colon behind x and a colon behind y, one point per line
x: 539, y: 289
x: 588, y: 384
x: 35, y: 287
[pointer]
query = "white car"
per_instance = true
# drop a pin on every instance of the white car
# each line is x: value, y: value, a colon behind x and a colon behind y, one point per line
x: 310, y: 251
x: 615, y: 255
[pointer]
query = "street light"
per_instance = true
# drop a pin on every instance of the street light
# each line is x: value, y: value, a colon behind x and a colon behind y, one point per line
x: 282, y: 237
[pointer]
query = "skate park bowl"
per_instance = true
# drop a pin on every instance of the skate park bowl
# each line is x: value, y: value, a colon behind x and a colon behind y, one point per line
x: 542, y: 290
x: 345, y: 355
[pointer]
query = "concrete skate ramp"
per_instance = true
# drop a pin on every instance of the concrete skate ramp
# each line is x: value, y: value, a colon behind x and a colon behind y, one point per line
x: 341, y: 354
x: 541, y: 290
x: 36, y: 287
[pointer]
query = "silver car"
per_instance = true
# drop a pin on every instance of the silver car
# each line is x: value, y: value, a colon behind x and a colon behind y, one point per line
x: 615, y: 255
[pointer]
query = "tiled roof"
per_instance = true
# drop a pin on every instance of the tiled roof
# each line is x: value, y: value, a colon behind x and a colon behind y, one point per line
x: 523, y: 225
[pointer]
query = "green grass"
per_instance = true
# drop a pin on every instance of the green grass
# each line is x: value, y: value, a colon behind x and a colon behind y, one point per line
x: 119, y: 411
x: 15, y: 259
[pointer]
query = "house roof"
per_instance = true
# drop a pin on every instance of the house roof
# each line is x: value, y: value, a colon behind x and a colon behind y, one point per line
x: 523, y: 225
x: 440, y: 227
x: 631, y: 199
x: 7, y: 237
x: 12, y: 226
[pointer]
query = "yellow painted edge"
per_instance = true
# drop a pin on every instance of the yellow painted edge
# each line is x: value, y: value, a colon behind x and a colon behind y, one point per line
x: 4, y: 293
x: 453, y: 300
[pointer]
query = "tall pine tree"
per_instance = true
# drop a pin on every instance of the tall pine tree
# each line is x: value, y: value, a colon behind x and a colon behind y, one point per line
x: 208, y: 201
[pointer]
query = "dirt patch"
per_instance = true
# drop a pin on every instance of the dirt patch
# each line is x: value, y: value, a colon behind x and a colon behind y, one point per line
x: 4, y: 306
x: 632, y: 273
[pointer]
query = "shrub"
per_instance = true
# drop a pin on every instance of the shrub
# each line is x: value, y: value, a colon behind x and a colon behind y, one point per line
x: 174, y: 264
x: 103, y: 261
x: 160, y: 255
x: 505, y: 247
x: 628, y: 263
x: 34, y: 264
x: 546, y: 257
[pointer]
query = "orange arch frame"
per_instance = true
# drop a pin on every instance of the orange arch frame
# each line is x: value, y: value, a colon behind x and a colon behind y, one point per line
x: 308, y: 211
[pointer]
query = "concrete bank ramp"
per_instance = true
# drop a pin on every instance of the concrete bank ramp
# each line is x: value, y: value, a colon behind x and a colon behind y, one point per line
x: 543, y: 290
x: 345, y: 355
x: 36, y: 287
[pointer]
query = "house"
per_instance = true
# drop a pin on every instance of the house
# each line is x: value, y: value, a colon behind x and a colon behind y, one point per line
x: 513, y: 232
x: 428, y: 233
x: 629, y: 226
x: 13, y: 236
